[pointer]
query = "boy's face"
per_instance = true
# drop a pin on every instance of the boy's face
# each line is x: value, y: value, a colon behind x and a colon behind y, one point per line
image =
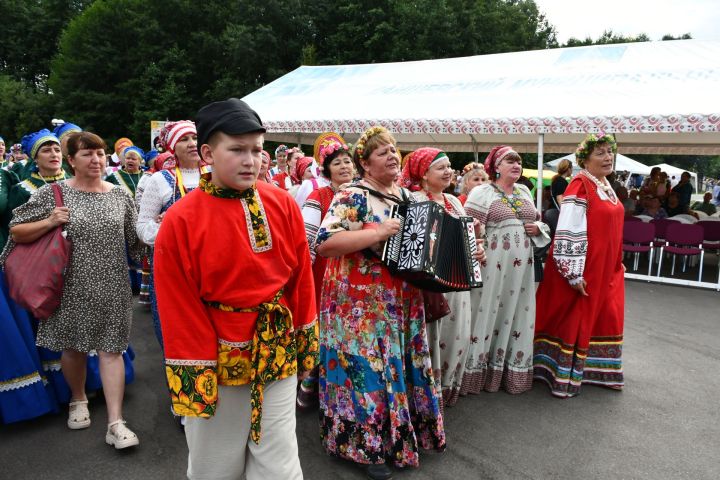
x: 235, y: 159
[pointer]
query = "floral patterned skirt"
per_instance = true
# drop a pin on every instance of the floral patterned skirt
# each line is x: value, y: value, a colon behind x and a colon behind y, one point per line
x: 378, y: 399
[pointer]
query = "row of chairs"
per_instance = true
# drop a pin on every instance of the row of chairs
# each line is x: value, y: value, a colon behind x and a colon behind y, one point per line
x: 671, y: 237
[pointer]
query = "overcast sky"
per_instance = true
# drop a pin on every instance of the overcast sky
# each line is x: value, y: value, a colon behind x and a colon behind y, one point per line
x: 583, y: 18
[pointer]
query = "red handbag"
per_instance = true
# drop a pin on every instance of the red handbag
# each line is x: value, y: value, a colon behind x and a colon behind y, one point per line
x: 436, y: 306
x: 35, y: 271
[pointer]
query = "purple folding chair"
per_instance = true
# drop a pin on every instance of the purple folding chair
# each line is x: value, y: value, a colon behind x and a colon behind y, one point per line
x: 638, y: 237
x: 683, y: 239
x: 632, y: 219
x: 711, y: 238
x: 661, y: 225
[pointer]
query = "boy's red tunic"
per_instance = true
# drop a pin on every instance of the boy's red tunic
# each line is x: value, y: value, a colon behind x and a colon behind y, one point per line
x: 214, y: 255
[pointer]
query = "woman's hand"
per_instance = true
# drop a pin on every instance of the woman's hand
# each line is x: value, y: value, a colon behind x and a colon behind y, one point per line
x: 387, y: 229
x: 159, y: 218
x: 480, y: 253
x: 580, y: 288
x: 532, y: 229
x: 59, y: 216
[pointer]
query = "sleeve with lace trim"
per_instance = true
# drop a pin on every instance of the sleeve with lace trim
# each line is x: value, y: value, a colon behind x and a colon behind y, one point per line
x: 571, y: 241
x: 157, y: 192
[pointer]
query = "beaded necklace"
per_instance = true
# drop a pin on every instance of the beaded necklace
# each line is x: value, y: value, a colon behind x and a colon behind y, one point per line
x: 604, y: 186
x: 448, y: 206
x: 513, y: 202
x: 51, y: 178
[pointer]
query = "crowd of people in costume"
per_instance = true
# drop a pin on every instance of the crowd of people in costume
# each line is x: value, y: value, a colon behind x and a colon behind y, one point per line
x: 268, y: 293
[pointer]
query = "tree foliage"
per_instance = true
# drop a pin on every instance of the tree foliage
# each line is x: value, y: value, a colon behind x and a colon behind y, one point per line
x: 29, y: 35
x: 118, y: 64
x: 607, y: 37
x: 123, y: 63
x: 23, y: 110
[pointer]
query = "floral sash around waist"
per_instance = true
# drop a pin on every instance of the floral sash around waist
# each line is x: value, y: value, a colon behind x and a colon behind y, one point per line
x: 273, y: 353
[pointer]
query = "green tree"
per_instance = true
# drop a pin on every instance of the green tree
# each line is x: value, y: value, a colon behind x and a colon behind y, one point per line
x: 372, y: 31
x: 24, y: 109
x: 29, y: 36
x: 607, y: 37
x: 157, y: 60
x: 684, y: 36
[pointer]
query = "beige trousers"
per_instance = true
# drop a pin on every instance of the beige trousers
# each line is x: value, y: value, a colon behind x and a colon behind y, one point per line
x: 221, y: 448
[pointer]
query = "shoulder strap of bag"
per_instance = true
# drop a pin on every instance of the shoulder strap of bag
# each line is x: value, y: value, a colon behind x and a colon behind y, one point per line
x: 57, y: 193
x: 392, y: 198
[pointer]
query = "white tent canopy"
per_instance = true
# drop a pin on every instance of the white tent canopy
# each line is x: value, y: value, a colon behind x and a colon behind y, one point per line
x: 658, y: 97
x: 622, y: 164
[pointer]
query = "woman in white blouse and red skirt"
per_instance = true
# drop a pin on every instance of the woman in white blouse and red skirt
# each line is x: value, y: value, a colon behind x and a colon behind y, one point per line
x: 580, y: 302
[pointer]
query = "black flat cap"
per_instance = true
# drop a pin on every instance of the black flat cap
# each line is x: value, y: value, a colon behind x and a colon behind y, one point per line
x: 232, y: 117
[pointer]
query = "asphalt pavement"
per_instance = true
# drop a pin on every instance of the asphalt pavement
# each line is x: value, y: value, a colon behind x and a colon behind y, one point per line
x: 664, y: 425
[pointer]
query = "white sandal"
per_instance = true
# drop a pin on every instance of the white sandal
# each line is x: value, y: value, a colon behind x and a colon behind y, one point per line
x: 122, y: 437
x: 78, y: 415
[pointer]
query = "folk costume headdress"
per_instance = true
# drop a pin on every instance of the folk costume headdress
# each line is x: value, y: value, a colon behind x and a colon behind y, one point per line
x: 473, y: 166
x: 359, y: 150
x: 163, y: 161
x: 150, y: 157
x: 122, y: 144
x: 301, y: 166
x: 135, y: 149
x: 32, y: 142
x: 172, y: 132
x: 327, y: 144
x: 281, y: 149
x: 588, y: 144
x: 417, y: 165
x: 497, y: 155
x: 66, y: 129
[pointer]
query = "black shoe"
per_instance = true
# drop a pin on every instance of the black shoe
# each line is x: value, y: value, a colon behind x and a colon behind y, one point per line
x: 379, y: 472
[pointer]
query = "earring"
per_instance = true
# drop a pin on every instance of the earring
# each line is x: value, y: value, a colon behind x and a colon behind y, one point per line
x: 497, y: 175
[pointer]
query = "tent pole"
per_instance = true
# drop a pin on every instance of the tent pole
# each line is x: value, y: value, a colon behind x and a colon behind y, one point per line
x: 475, y: 148
x: 539, y: 184
x: 299, y: 141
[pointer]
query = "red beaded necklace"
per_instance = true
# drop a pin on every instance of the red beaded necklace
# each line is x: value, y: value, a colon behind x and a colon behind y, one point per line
x: 448, y: 206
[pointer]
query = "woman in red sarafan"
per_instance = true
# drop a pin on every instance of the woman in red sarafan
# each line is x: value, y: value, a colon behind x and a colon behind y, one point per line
x: 579, y: 326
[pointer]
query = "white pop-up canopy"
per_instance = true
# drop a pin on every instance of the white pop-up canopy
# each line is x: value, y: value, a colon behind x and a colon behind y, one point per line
x: 622, y: 164
x: 658, y: 97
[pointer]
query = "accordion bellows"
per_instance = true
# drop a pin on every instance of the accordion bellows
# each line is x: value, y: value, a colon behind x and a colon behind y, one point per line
x: 433, y: 250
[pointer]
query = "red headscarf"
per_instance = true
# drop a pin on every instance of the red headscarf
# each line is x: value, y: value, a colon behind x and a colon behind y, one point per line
x: 301, y: 165
x: 495, y: 157
x: 417, y: 165
x: 161, y: 161
x: 267, y: 172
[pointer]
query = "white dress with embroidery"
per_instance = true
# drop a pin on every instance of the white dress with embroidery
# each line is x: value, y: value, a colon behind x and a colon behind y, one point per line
x: 449, y: 337
x: 503, y: 311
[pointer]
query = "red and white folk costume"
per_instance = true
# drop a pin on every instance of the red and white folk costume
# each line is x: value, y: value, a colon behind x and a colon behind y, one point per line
x: 236, y: 295
x: 579, y: 338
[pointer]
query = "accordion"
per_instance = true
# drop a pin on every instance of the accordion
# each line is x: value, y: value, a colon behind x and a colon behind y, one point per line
x: 433, y: 250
